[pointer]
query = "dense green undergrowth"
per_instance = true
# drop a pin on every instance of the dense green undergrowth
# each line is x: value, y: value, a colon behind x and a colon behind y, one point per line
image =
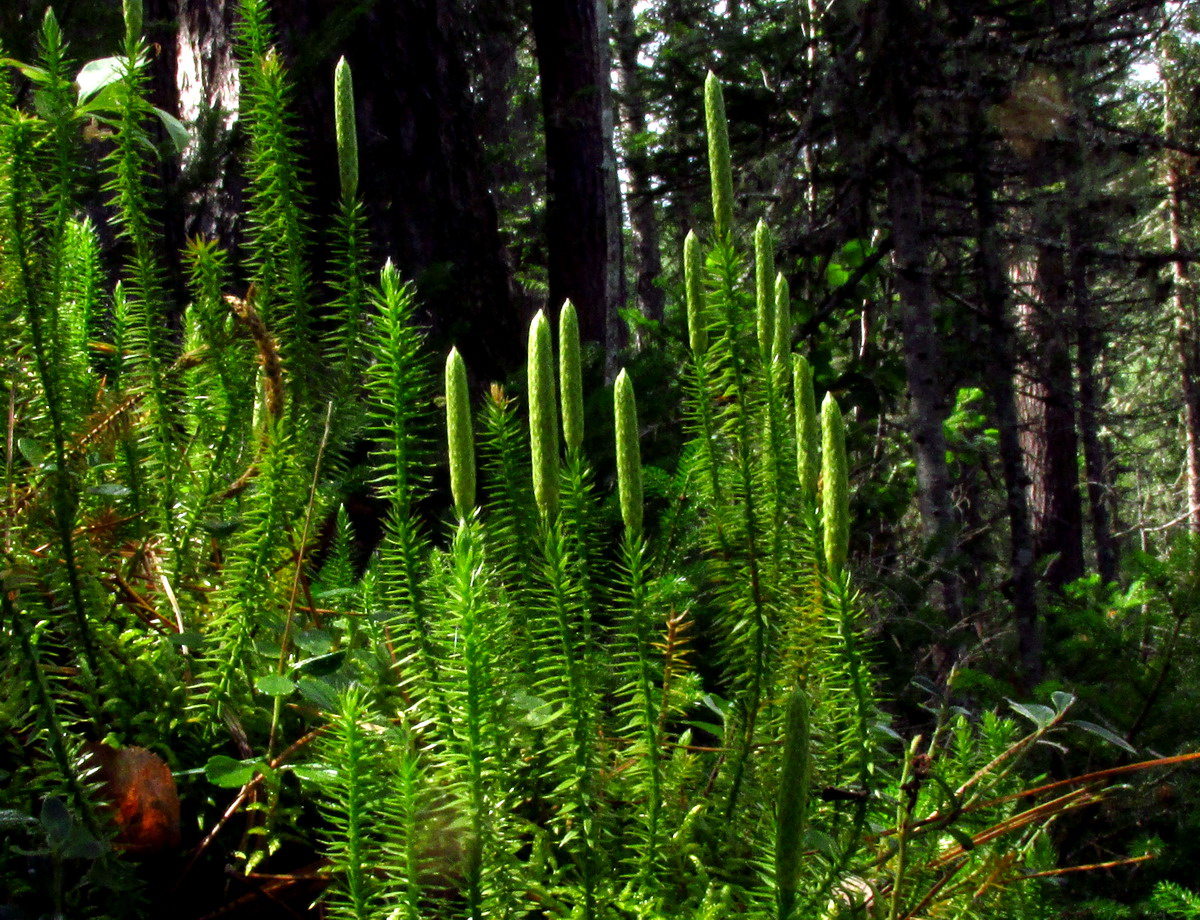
x: 541, y: 693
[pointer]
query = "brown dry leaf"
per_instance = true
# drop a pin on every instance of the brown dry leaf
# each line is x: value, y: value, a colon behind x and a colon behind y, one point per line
x: 141, y: 791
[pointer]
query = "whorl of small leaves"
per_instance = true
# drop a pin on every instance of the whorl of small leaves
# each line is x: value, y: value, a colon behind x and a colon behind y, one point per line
x: 764, y: 286
x: 629, y: 454
x: 693, y: 274
x: 543, y: 421
x: 459, y: 434
x: 347, y: 133
x: 808, y: 437
x: 570, y: 376
x: 719, y: 166
x: 835, y: 489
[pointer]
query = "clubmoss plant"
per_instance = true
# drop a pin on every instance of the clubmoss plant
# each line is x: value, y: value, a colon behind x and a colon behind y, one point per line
x: 570, y: 378
x: 835, y: 492
x: 764, y: 287
x: 543, y: 416
x: 546, y: 694
x: 808, y: 436
x: 459, y: 434
x: 697, y: 308
x: 719, y: 164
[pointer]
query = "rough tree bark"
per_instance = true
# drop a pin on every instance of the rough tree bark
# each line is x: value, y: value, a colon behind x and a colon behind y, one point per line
x: 993, y: 290
x: 207, y: 88
x: 580, y: 222
x: 1088, y: 351
x: 1187, y: 323
x: 423, y: 175
x: 908, y: 207
x: 1049, y: 436
x: 639, y: 201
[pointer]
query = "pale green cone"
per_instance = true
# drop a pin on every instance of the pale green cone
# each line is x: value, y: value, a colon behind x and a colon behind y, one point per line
x: 835, y: 487
x: 719, y: 167
x: 132, y: 10
x: 693, y: 277
x: 347, y: 131
x: 764, y: 287
x: 629, y: 454
x: 783, y: 320
x: 543, y: 416
x: 808, y: 434
x: 570, y: 379
x: 459, y: 435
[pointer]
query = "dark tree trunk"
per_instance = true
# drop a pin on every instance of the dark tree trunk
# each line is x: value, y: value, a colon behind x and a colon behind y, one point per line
x: 1090, y: 346
x: 1000, y: 373
x: 422, y: 171
x: 1049, y: 435
x: 579, y: 216
x: 1187, y: 329
x: 908, y: 207
x: 651, y: 297
x: 206, y: 86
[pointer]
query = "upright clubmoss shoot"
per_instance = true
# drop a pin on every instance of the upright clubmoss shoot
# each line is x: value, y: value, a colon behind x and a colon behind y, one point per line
x: 835, y: 487
x: 697, y: 314
x: 459, y: 435
x: 629, y: 454
x: 543, y: 416
x: 570, y: 377
x: 347, y: 131
x: 718, y: 157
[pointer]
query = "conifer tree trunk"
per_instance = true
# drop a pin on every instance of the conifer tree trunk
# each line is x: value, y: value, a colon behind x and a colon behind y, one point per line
x: 1187, y: 327
x: 640, y: 200
x: 207, y: 85
x: 1049, y: 436
x: 580, y: 220
x: 1002, y: 367
x: 1088, y: 351
x: 908, y: 207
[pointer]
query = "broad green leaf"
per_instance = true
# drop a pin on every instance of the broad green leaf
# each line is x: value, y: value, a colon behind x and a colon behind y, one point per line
x: 1101, y: 732
x: 179, y: 134
x: 98, y: 74
x: 274, y: 685
x: 1039, y: 715
x: 56, y: 820
x: 315, y: 641
x: 319, y: 692
x: 321, y: 665
x: 314, y: 773
x: 1062, y: 700
x: 222, y: 770
x: 31, y: 450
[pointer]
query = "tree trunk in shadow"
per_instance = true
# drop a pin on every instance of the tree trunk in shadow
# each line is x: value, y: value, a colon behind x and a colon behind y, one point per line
x: 640, y: 200
x: 572, y: 58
